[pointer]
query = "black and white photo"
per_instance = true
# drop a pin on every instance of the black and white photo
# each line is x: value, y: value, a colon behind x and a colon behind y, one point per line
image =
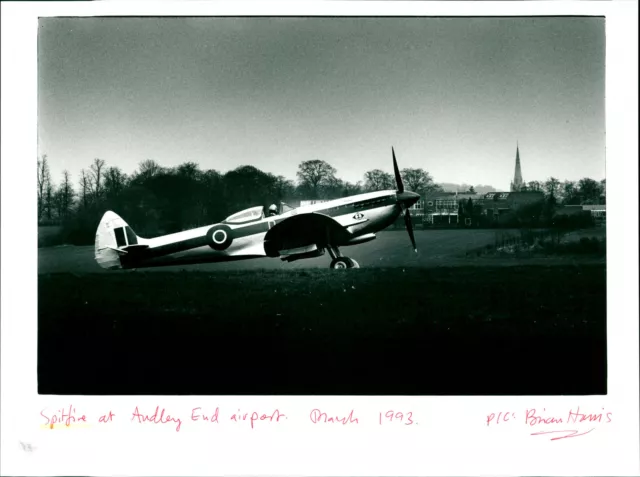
x: 322, y: 205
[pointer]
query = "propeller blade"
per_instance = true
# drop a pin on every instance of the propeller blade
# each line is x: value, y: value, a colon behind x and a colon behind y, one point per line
x: 405, y: 200
x: 407, y: 222
x: 399, y: 183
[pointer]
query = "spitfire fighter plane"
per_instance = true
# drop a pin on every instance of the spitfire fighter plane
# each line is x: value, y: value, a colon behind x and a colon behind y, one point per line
x: 304, y: 232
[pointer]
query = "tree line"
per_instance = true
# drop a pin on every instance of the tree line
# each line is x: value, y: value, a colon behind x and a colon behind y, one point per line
x: 585, y: 191
x: 158, y: 200
x: 546, y: 212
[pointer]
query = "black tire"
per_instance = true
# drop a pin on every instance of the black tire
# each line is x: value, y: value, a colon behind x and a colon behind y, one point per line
x: 341, y: 263
x: 220, y: 237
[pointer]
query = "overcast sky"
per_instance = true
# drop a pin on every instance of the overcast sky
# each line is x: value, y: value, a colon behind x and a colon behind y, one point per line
x: 451, y: 95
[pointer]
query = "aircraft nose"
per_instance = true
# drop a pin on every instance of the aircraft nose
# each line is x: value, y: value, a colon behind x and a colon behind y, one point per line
x: 407, y: 198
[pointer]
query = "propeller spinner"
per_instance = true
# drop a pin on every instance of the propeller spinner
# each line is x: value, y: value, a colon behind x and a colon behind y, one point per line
x: 406, y: 199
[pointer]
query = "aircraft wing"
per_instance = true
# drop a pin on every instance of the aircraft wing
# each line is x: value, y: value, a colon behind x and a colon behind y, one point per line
x: 303, y: 230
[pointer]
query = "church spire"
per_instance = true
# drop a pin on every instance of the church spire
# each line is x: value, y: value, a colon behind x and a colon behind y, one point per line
x: 516, y: 185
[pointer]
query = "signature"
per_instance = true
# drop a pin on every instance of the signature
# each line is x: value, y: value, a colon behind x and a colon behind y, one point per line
x: 569, y: 433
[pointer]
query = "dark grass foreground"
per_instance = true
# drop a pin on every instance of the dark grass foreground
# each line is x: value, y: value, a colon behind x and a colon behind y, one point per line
x: 463, y: 331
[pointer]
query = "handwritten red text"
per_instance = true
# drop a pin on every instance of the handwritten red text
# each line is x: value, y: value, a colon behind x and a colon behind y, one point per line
x: 577, y: 416
x: 198, y: 415
x: 107, y: 417
x: 501, y: 417
x: 158, y: 417
x: 317, y: 416
x: 275, y: 415
x: 560, y: 425
x: 393, y: 416
x: 532, y: 419
x: 63, y: 416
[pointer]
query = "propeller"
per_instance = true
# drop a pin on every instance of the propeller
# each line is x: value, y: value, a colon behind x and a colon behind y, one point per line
x: 407, y: 223
x: 406, y: 199
x: 397, y: 172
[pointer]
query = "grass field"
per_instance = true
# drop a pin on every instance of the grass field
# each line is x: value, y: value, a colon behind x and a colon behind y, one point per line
x: 402, y: 330
x: 390, y: 249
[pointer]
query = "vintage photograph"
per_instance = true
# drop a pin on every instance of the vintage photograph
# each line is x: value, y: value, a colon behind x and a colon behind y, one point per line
x: 321, y: 206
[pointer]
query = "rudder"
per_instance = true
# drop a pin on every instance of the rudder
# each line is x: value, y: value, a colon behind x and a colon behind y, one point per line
x: 112, y: 235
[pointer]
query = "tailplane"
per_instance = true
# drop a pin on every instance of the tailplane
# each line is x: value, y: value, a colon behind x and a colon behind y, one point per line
x: 114, y: 238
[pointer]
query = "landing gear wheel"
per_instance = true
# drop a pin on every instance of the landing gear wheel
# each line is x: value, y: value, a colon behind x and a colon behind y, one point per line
x: 343, y: 262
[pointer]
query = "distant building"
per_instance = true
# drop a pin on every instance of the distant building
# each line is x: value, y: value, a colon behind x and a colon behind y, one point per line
x: 516, y: 184
x: 598, y: 212
x: 495, y: 204
x: 442, y: 208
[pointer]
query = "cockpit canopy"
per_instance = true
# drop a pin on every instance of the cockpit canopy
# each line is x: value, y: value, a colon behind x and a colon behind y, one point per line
x: 247, y: 215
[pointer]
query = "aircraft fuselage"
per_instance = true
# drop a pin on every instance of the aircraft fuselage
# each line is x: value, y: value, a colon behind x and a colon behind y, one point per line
x: 360, y: 215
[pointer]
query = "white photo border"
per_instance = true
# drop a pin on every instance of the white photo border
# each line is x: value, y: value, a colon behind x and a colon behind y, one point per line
x: 451, y: 437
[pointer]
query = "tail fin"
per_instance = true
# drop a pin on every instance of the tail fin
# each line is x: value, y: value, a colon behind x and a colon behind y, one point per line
x: 112, y: 238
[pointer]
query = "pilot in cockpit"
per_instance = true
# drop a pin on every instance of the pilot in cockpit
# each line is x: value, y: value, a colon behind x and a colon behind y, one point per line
x: 273, y: 210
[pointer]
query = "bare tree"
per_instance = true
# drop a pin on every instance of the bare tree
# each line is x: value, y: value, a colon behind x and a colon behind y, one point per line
x: 283, y: 187
x: 534, y: 186
x: 148, y: 168
x: 48, y: 205
x: 315, y: 174
x: 570, y: 195
x: 96, y: 176
x: 57, y: 203
x: 66, y: 194
x: 85, y: 187
x: 589, y: 190
x: 114, y: 181
x: 190, y: 170
x: 377, y: 179
x: 417, y: 180
x: 552, y: 187
x: 44, y: 178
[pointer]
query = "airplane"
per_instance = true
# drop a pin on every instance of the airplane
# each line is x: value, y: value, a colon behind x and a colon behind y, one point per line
x: 296, y: 234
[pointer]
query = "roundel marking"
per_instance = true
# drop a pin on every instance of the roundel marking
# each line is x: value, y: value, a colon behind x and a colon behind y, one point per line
x: 219, y: 237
